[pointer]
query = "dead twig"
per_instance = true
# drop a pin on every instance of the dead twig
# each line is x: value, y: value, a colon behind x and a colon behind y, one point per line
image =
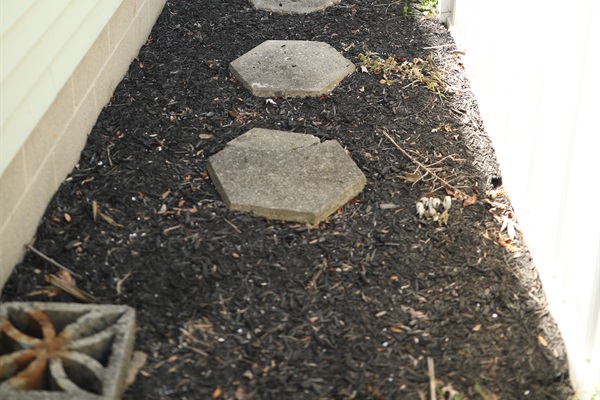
x: 194, y: 349
x: 313, y: 282
x: 459, y: 193
x: 238, y: 230
x: 50, y: 260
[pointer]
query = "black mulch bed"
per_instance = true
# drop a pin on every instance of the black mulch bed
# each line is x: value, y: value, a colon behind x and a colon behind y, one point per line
x: 234, y: 306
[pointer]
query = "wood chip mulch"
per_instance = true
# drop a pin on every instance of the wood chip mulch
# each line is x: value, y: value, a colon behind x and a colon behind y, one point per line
x: 375, y: 302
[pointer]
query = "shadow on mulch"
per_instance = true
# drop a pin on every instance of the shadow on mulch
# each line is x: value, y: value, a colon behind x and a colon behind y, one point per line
x: 234, y: 306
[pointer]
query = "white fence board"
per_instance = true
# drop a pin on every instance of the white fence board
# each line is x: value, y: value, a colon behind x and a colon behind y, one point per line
x: 533, y: 67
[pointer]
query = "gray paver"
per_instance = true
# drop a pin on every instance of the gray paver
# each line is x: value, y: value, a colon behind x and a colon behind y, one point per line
x: 85, y: 350
x: 285, y: 175
x: 293, y: 68
x: 293, y: 6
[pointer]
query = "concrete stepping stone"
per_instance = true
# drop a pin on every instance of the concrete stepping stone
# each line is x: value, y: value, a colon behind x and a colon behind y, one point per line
x: 64, y: 351
x: 292, y: 68
x: 285, y: 175
x: 293, y: 6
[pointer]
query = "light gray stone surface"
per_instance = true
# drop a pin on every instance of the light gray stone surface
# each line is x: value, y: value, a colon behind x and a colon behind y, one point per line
x: 90, y: 359
x: 292, y: 68
x: 285, y: 175
x: 293, y: 6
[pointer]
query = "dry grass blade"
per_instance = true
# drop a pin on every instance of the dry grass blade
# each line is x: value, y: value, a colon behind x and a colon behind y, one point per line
x: 95, y: 210
x: 120, y: 282
x: 431, y: 373
x: 109, y: 220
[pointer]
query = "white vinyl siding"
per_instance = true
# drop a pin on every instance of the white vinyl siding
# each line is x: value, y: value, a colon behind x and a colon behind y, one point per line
x: 42, y: 43
x: 60, y: 61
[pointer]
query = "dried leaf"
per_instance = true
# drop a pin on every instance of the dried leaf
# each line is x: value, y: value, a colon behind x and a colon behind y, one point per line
x: 507, y: 244
x: 65, y: 276
x: 449, y: 192
x: 240, y: 394
x: 510, y: 229
x: 470, y: 200
x: 450, y: 393
x: 410, y: 177
x: 413, y: 313
x: 443, y: 218
x: 138, y: 360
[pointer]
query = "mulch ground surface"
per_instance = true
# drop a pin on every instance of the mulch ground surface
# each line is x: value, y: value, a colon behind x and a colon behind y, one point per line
x: 367, y: 304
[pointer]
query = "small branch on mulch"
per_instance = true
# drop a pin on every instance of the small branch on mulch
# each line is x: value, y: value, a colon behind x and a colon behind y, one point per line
x: 457, y: 192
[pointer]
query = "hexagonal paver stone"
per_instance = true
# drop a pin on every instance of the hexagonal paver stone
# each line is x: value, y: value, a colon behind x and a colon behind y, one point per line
x: 64, y: 350
x: 293, y: 6
x: 293, y: 68
x: 285, y: 175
